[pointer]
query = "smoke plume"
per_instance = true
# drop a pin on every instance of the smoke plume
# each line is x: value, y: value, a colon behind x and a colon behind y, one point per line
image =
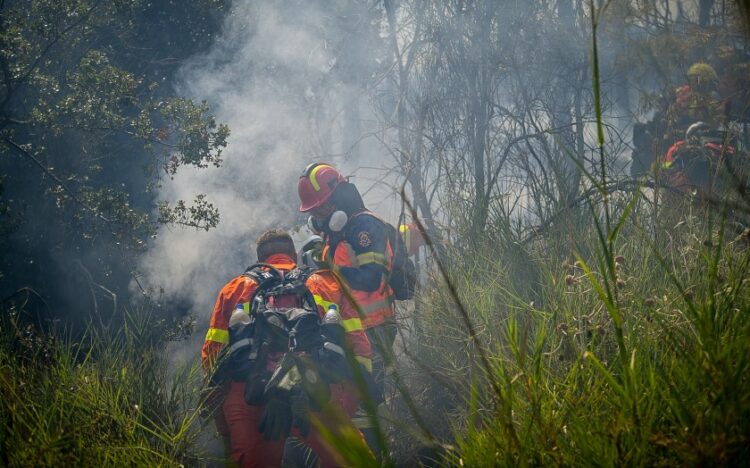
x: 276, y: 76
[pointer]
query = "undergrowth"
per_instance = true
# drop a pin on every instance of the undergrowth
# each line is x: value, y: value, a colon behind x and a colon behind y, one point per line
x: 656, y: 375
x: 107, y: 398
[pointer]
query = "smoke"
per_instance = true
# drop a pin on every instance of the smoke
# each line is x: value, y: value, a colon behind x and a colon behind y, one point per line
x: 287, y: 78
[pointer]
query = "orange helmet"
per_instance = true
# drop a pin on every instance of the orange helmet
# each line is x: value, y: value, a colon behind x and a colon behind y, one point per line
x: 316, y: 185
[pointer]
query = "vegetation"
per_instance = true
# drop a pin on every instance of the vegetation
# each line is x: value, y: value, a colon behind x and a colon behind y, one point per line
x: 103, y: 399
x: 89, y: 127
x: 569, y: 314
x: 643, y: 366
x: 612, y: 332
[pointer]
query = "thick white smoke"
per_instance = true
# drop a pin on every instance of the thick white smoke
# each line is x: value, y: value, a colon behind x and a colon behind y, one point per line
x: 274, y: 77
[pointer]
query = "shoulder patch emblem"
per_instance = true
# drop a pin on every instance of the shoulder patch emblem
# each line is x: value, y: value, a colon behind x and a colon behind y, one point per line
x: 364, y: 239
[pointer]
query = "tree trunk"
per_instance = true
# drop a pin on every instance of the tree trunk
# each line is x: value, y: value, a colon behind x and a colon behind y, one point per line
x: 704, y: 12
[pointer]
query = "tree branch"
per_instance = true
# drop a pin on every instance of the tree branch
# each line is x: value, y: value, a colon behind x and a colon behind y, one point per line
x: 44, y: 52
x: 62, y: 184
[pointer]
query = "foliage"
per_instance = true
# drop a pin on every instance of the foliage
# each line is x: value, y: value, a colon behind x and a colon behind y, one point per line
x: 617, y: 332
x: 657, y: 376
x: 88, y: 128
x: 107, y: 398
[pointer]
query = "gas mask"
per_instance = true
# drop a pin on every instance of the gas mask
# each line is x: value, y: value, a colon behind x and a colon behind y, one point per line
x: 336, y: 222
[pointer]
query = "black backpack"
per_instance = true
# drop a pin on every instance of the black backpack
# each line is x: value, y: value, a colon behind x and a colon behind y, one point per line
x: 403, y: 275
x: 283, y: 319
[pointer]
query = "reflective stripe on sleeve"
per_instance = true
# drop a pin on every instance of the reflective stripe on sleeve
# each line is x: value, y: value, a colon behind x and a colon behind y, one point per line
x: 246, y: 307
x: 351, y: 255
x: 365, y: 362
x: 352, y: 324
x: 324, y: 304
x: 376, y: 306
x: 405, y: 234
x: 218, y: 335
x: 371, y: 257
x: 362, y: 422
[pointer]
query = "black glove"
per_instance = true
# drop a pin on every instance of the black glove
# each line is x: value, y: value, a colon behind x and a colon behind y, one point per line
x: 276, y: 420
x: 333, y: 364
x: 375, y: 381
x: 313, y: 380
x: 255, y: 388
x: 300, y: 409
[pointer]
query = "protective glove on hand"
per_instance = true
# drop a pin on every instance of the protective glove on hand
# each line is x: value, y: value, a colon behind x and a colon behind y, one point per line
x: 276, y: 421
x: 255, y: 388
x: 375, y: 388
x: 300, y: 409
x: 333, y: 365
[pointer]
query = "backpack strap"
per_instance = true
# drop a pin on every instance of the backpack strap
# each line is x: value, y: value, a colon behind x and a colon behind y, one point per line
x: 307, y: 297
x: 294, y: 282
x: 264, y: 274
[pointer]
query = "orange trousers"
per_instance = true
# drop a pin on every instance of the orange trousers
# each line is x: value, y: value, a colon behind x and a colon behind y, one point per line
x: 249, y: 449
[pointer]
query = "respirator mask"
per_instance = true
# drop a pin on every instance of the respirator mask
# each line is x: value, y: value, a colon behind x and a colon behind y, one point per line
x: 336, y: 222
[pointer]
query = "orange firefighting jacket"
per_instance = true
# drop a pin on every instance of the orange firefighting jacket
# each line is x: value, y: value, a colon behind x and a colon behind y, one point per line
x: 324, y: 289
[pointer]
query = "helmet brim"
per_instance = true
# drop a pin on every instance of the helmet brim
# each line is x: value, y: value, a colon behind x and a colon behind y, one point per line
x: 304, y: 208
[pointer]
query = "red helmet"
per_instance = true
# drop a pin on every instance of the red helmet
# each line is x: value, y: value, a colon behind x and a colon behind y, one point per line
x: 316, y: 185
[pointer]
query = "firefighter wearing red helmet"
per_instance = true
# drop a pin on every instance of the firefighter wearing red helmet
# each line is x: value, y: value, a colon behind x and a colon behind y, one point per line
x: 356, y: 239
x: 359, y: 251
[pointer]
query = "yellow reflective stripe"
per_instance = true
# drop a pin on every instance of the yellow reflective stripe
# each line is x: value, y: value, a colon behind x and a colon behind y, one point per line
x: 376, y: 306
x: 350, y: 253
x: 352, y: 324
x: 246, y: 307
x: 362, y: 422
x: 406, y: 234
x: 314, y: 174
x: 218, y: 335
x: 365, y: 362
x: 323, y: 303
x: 666, y: 164
x: 371, y: 257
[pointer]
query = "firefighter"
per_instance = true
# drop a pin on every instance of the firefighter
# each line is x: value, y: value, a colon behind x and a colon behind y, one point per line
x: 360, y: 254
x: 239, y: 422
x: 698, y: 100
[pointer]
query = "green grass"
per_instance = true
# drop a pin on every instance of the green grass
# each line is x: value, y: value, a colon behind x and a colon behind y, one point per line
x: 620, y: 336
x: 561, y: 385
x: 106, y: 399
x: 641, y: 365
